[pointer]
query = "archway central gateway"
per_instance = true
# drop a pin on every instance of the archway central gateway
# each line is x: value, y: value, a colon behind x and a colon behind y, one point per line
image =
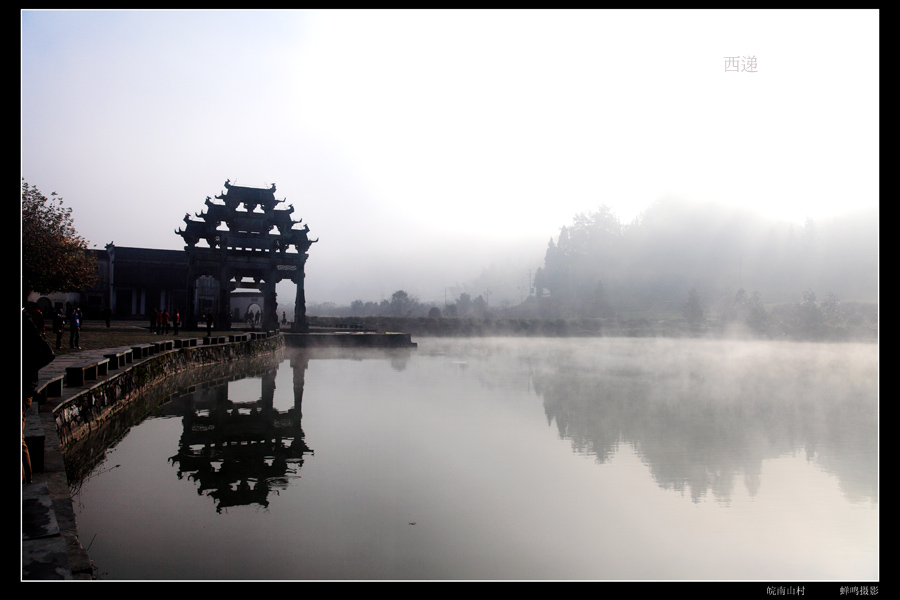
x: 259, y: 243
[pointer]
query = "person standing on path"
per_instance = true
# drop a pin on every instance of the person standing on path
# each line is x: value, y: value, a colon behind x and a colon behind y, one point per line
x: 209, y: 323
x: 175, y: 321
x: 59, y: 326
x: 75, y: 329
x: 36, y: 317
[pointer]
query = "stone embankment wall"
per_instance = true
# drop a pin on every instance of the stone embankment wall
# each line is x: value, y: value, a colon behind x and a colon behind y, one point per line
x: 79, y: 415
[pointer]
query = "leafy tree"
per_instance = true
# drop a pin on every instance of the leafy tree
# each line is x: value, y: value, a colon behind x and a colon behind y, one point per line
x: 693, y: 309
x: 831, y: 310
x: 479, y: 306
x: 54, y: 256
x: 748, y: 311
x: 402, y: 303
x: 588, y: 250
x: 737, y: 312
x: 599, y: 305
x: 810, y: 314
x: 757, y: 317
x: 464, y: 305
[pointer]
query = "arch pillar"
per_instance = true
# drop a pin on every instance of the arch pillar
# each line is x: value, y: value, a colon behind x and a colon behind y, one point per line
x: 270, y: 304
x: 190, y: 311
x: 226, y: 286
x: 300, y: 324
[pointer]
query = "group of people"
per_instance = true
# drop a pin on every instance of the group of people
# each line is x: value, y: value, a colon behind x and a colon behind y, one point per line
x: 58, y: 324
x: 252, y: 318
x: 160, y: 321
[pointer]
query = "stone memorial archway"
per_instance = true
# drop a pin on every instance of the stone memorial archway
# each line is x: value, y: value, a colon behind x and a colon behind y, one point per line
x: 258, y: 242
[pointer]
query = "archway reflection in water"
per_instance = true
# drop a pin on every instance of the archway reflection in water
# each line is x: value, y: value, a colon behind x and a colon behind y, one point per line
x: 505, y: 459
x: 236, y: 449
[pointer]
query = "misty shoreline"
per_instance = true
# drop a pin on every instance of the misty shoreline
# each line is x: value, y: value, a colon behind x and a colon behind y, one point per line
x: 586, y: 327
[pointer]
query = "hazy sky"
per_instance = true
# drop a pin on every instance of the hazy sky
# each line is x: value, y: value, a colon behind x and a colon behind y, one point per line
x: 422, y: 146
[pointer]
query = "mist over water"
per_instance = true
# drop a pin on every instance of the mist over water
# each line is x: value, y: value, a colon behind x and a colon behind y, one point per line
x: 501, y: 458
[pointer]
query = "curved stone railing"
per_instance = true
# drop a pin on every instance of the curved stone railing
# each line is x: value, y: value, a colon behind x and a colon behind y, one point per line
x: 79, y: 415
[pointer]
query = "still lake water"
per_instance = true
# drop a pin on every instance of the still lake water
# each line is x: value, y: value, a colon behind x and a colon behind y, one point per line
x: 609, y: 459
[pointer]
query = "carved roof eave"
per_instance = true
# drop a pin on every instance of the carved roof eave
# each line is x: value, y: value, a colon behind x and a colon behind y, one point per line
x: 247, y: 231
x: 230, y: 187
x: 249, y: 197
x: 226, y: 213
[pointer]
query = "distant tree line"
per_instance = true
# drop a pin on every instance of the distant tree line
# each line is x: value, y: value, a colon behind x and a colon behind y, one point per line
x: 403, y: 304
x: 746, y: 314
x: 680, y: 268
x: 601, y: 267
